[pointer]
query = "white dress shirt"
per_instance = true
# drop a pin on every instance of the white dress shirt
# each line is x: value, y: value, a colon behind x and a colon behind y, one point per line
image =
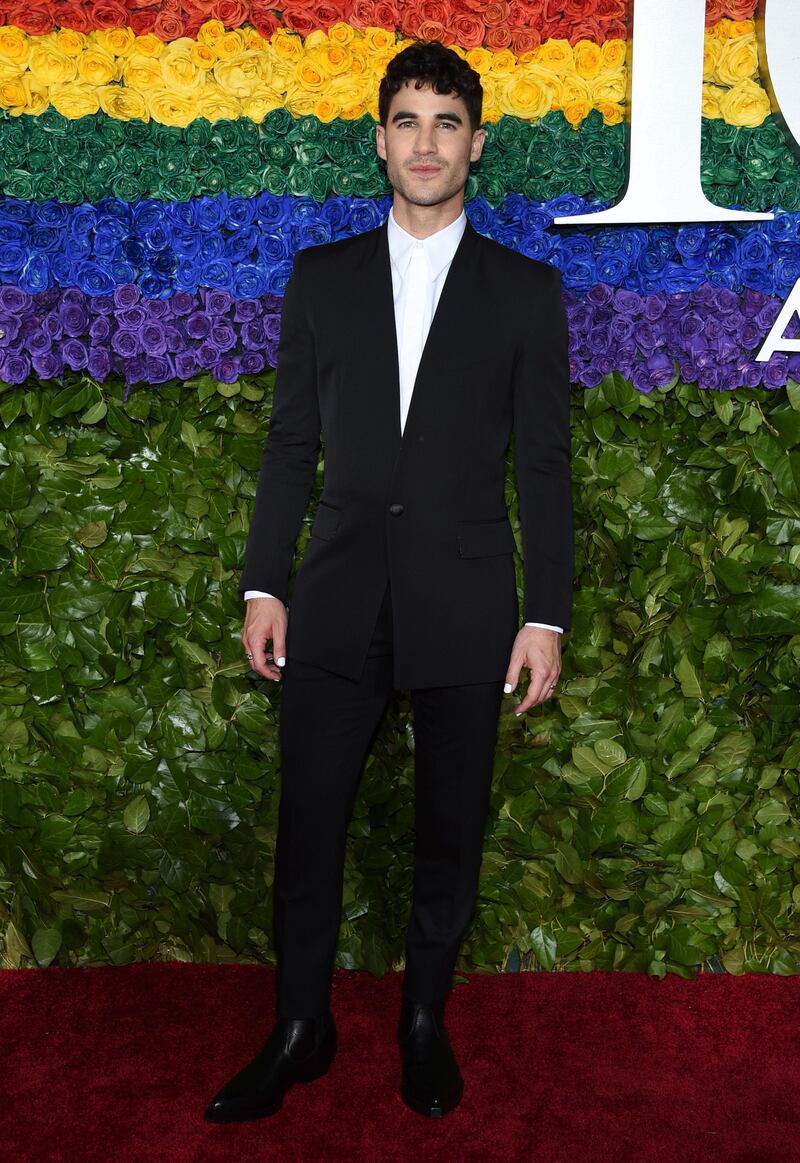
x: 438, y: 249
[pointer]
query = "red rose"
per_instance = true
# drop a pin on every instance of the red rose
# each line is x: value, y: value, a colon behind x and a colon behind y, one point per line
x: 198, y: 8
x: 741, y: 9
x: 495, y: 13
x: 611, y: 10
x: 263, y: 20
x: 433, y: 30
x: 587, y: 29
x: 142, y: 3
x: 76, y: 15
x: 34, y: 21
x: 108, y: 14
x: 232, y: 13
x: 143, y: 20
x: 168, y: 26
x: 498, y: 37
x: 298, y: 18
x: 522, y: 14
x: 375, y: 14
x: 328, y: 12
x: 524, y: 40
x: 578, y: 9
x: 468, y: 30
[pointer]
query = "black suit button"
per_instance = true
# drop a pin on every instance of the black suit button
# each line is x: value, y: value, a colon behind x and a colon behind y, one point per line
x: 396, y: 509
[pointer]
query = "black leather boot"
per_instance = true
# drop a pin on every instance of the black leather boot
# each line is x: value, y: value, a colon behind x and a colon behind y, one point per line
x: 432, y: 1082
x: 297, y: 1050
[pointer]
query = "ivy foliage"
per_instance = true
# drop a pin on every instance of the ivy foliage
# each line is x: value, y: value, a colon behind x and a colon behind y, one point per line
x: 645, y: 818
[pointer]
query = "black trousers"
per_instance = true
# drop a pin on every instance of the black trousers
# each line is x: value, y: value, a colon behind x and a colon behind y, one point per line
x: 327, y: 725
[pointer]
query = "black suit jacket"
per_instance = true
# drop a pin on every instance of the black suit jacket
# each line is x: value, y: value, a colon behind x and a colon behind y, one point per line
x: 425, y: 510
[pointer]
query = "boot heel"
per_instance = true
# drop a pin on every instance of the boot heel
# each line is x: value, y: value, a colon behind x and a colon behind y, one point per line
x: 320, y: 1065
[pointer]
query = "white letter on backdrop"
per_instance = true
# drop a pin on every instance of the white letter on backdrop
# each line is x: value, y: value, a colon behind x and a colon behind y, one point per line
x: 775, y: 341
x: 664, y: 107
x: 778, y: 32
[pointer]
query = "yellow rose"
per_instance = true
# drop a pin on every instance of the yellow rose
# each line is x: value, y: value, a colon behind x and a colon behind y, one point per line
x: 69, y: 42
x: 738, y: 60
x: 97, y: 67
x: 120, y: 42
x: 614, y: 53
x: 710, y: 104
x: 349, y: 91
x: 528, y: 96
x: 588, y: 58
x: 570, y: 90
x: 480, y: 59
x: 148, y: 45
x: 733, y: 29
x: 575, y: 111
x: 73, y: 101
x: 504, y: 63
x: 610, y: 85
x: 381, y: 38
x: 307, y: 76
x: 556, y: 54
x: 287, y: 46
x: 326, y: 109
x: 215, y: 104
x: 179, y: 70
x: 171, y: 108
x: 253, y: 39
x: 612, y: 113
x: 35, y: 106
x: 203, y: 56
x: 745, y: 104
x: 49, y: 66
x: 257, y: 108
x: 142, y: 73
x: 341, y: 33
x: 15, y: 90
x: 229, y: 45
x: 14, y: 45
x: 122, y: 104
x: 242, y: 75
x: 210, y: 32
x: 317, y: 38
x: 712, y: 51
x: 338, y: 59
x: 301, y: 103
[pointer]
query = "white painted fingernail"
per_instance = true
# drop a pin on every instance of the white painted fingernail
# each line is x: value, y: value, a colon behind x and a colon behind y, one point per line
x: 281, y: 662
x: 508, y: 688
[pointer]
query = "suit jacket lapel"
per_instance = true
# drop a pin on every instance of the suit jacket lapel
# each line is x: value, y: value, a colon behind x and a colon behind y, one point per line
x: 446, y: 326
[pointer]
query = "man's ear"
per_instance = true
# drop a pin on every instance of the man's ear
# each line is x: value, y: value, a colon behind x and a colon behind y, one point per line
x: 380, y: 142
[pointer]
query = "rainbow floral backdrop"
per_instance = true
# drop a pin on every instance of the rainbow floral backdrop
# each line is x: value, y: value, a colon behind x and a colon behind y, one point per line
x: 160, y: 164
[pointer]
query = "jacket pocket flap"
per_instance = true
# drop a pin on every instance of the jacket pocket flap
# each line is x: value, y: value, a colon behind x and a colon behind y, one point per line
x: 485, y: 538
x: 326, y: 521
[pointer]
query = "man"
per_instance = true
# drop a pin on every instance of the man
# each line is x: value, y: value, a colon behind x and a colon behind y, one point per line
x: 413, y: 350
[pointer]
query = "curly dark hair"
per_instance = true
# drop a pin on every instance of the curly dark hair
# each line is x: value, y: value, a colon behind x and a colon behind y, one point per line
x: 430, y: 62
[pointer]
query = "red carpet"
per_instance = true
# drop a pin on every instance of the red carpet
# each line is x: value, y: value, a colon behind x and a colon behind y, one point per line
x: 118, y: 1064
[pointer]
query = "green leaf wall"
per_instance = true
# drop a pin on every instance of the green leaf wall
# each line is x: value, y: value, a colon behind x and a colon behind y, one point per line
x: 646, y: 819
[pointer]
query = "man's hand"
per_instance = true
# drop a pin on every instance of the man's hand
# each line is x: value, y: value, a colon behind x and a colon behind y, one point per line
x: 265, y: 621
x: 540, y: 651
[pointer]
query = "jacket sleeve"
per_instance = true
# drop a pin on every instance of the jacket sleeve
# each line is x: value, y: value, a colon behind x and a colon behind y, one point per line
x: 291, y: 452
x: 542, y: 455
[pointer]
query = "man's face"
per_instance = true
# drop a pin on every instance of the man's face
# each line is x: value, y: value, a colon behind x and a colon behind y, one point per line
x: 427, y: 145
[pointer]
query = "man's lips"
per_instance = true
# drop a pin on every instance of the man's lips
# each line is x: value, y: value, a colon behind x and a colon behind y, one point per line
x: 425, y: 169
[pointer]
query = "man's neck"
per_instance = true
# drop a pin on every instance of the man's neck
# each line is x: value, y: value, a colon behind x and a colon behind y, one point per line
x: 423, y: 221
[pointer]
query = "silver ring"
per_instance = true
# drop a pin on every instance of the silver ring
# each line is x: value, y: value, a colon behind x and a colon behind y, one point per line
x: 553, y: 687
x: 248, y: 656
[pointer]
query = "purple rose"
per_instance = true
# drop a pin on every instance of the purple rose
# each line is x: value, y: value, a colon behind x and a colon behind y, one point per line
x: 198, y: 326
x: 251, y: 362
x: 14, y: 369
x: 47, y: 364
x: 132, y: 318
x: 246, y: 309
x: 775, y: 370
x: 186, y: 364
x: 75, y: 354
x: 99, y: 363
x: 100, y: 329
x: 153, y: 339
x: 126, y: 296
x: 13, y: 300
x: 125, y: 343
x: 182, y: 303
x: 217, y: 302
x: 226, y: 370
x: 223, y: 335
x: 74, y: 318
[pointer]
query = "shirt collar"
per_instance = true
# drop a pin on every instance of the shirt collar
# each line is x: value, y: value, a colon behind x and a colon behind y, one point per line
x: 439, y: 247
